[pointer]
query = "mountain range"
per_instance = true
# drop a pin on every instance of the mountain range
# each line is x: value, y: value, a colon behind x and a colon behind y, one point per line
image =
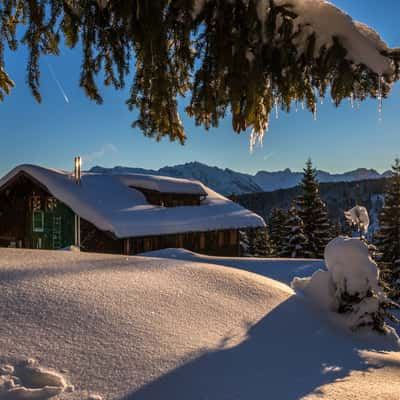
x: 227, y: 181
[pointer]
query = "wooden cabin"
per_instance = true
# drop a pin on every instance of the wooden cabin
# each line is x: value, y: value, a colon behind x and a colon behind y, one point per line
x: 121, y: 214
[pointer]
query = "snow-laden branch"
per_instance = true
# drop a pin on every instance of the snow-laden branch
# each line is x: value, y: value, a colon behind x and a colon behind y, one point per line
x: 242, y: 58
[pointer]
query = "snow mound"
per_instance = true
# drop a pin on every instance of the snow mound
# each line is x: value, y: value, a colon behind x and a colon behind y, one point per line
x: 142, y: 328
x: 29, y: 381
x: 350, y: 286
x: 117, y: 323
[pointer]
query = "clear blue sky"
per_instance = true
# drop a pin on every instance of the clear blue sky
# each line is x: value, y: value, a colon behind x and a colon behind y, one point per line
x: 55, y: 131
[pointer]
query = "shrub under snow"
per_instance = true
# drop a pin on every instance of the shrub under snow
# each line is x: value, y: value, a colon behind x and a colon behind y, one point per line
x: 349, y: 286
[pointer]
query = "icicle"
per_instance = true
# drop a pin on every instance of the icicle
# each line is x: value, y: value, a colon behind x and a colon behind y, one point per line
x: 302, y: 105
x: 296, y: 106
x: 315, y: 111
x: 321, y: 100
x: 252, y: 142
x: 276, y: 107
x: 256, y: 138
x: 257, y: 134
x: 380, y: 96
x: 352, y: 99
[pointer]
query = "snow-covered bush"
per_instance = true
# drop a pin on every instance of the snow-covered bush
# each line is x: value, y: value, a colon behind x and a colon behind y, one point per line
x: 358, y: 217
x: 349, y: 286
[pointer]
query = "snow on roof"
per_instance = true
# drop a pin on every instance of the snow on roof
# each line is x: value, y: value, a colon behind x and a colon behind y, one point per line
x: 111, y: 205
x: 163, y: 184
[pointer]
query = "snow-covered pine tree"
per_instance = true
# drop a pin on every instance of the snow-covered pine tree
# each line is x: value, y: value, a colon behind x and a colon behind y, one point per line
x: 313, y: 212
x: 277, y: 219
x: 255, y: 242
x: 295, y: 242
x: 263, y: 243
x: 388, y: 237
x: 243, y: 243
x: 252, y: 235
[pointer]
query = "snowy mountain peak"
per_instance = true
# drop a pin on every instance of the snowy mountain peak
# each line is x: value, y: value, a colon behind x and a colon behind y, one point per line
x: 228, y: 181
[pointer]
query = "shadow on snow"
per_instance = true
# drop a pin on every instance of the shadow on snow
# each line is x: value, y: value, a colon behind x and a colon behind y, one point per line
x: 288, y: 354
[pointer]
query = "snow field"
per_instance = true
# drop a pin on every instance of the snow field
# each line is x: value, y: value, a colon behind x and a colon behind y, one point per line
x: 154, y: 328
x: 117, y: 323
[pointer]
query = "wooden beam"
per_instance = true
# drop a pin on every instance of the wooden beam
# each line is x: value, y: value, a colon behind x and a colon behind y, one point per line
x: 127, y: 247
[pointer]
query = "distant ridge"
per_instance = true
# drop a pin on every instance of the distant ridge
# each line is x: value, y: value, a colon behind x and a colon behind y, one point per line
x: 227, y: 181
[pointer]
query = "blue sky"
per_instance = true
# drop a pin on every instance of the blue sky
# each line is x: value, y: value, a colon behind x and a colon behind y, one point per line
x: 53, y: 132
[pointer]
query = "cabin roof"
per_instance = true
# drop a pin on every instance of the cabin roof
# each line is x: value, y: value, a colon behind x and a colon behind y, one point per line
x: 110, y: 202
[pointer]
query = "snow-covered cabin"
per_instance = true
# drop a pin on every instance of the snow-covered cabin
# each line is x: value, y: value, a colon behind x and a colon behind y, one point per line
x: 123, y: 214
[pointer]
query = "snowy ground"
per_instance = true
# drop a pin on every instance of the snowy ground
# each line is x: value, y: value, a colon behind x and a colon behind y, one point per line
x: 151, y: 328
x: 280, y: 269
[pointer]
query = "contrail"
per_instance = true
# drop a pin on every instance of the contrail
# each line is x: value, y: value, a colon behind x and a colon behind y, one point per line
x: 58, y: 84
x: 268, y: 156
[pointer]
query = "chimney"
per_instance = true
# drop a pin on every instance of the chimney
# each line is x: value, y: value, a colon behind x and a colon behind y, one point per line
x: 77, y: 169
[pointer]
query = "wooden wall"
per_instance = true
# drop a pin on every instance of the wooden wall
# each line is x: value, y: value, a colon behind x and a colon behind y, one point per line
x: 220, y: 243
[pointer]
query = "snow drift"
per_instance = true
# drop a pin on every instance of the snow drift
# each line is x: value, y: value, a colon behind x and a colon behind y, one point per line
x: 124, y: 328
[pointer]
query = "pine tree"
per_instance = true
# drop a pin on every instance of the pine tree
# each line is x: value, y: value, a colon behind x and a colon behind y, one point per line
x: 255, y: 242
x: 313, y: 212
x: 277, y: 221
x: 295, y: 242
x: 241, y: 56
x: 388, y: 237
x: 263, y: 243
x: 244, y: 242
x: 252, y: 237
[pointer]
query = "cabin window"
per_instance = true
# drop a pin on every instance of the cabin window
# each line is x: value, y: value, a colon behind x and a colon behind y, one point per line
x: 36, y: 203
x: 38, y: 221
x: 51, y: 203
